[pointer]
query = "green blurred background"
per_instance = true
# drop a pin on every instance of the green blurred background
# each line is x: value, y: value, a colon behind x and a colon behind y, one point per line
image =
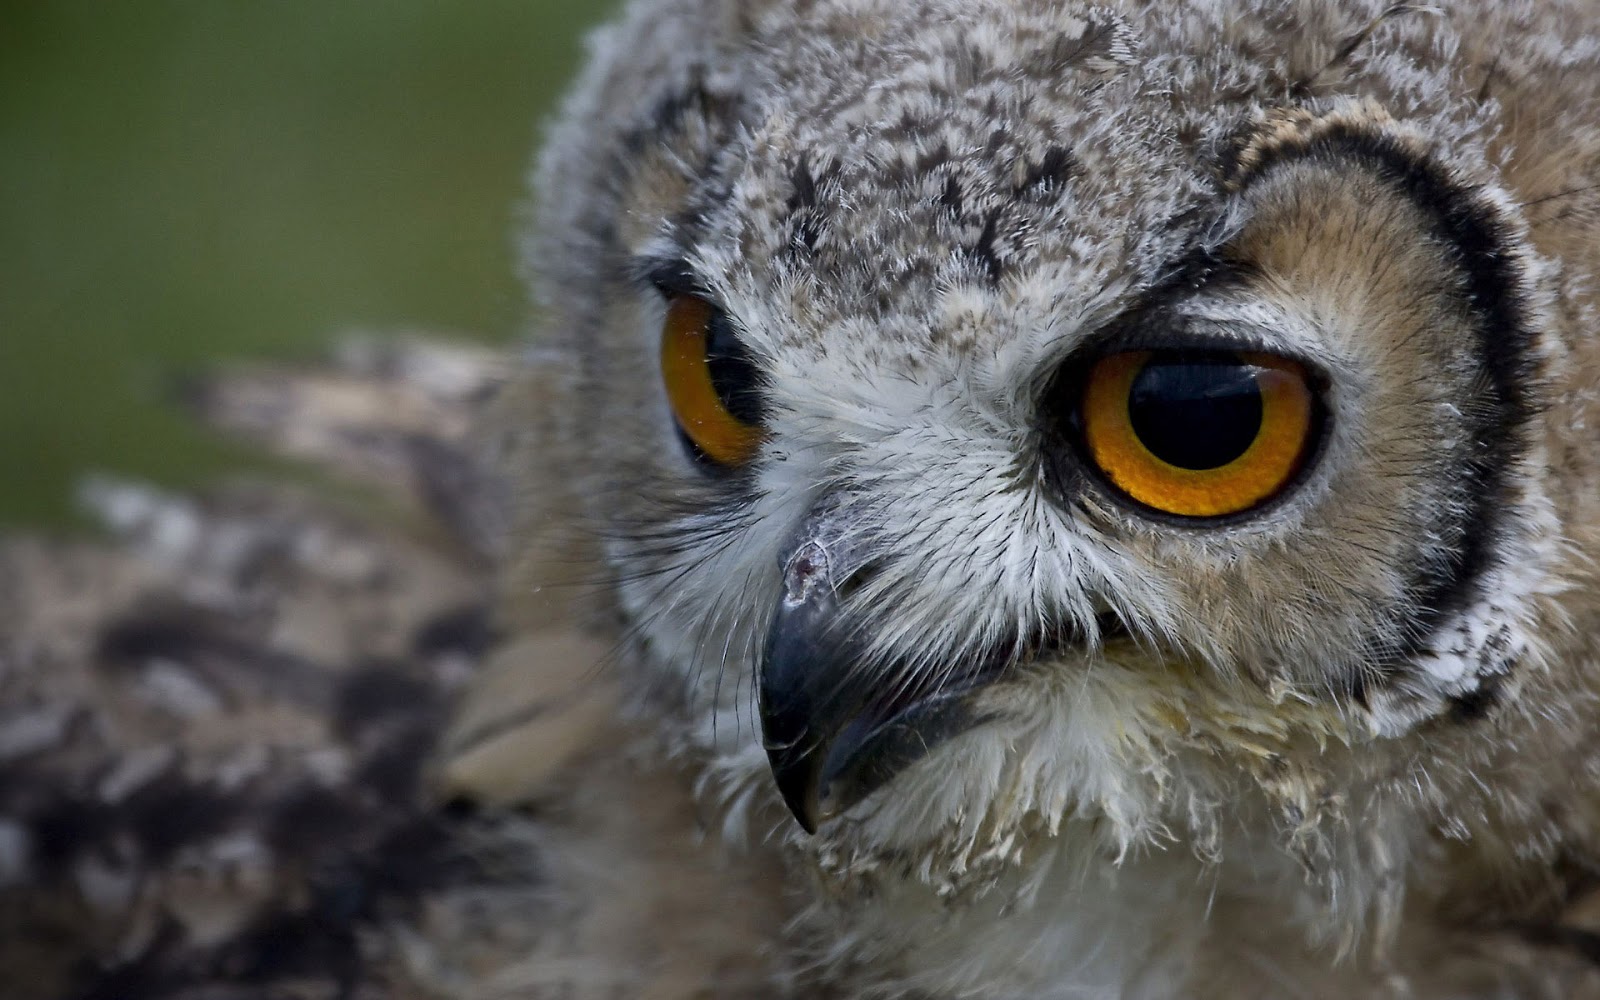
x: 185, y: 181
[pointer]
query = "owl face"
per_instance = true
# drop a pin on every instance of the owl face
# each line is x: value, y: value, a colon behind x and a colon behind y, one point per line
x: 1014, y: 419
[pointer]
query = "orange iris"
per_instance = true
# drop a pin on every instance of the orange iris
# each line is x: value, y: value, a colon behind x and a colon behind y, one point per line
x: 1197, y: 435
x: 701, y: 410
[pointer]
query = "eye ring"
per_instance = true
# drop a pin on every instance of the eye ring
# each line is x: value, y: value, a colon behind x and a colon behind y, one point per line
x: 711, y: 384
x: 1198, y: 434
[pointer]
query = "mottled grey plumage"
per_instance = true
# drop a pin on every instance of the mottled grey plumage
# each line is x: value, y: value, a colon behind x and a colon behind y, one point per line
x: 1317, y: 750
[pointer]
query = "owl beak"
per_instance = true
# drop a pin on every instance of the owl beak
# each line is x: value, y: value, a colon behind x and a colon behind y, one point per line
x: 801, y: 695
x: 833, y: 734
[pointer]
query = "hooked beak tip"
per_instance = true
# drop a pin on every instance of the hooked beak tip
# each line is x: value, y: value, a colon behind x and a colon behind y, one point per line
x: 800, y: 794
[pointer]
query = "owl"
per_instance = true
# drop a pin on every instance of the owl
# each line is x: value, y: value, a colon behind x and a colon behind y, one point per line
x: 1089, y: 501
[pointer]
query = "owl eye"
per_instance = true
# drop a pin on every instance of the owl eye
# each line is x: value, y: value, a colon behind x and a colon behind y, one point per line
x: 1198, y: 433
x: 711, y: 383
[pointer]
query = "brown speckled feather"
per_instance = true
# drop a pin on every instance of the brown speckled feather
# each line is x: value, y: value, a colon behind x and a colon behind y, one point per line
x: 214, y: 724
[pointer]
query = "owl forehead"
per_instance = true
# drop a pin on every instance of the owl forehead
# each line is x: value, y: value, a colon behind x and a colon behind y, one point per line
x: 942, y: 150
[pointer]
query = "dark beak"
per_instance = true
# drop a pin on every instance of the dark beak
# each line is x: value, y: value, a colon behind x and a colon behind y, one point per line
x: 838, y: 725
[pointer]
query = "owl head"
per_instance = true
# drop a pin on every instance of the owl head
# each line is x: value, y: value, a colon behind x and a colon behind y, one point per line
x: 992, y: 415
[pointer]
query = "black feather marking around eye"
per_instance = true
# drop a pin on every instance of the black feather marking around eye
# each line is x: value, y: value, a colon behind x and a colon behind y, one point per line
x: 1467, y: 228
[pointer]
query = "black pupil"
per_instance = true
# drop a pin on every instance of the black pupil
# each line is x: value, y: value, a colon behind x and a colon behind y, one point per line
x: 1195, y: 409
x: 733, y: 375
